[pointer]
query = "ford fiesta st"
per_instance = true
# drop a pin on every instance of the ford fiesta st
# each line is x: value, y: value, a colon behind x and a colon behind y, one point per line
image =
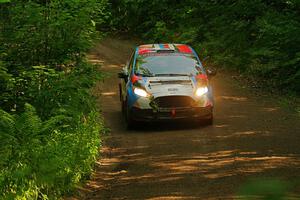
x: 165, y: 82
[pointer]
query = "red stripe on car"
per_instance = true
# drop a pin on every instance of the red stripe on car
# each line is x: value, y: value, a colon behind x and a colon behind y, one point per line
x: 144, y: 51
x: 184, y: 49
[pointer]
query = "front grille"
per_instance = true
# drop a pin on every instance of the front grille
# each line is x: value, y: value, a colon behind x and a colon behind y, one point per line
x: 174, y: 101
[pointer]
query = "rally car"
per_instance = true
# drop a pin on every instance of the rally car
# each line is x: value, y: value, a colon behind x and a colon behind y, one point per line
x: 165, y: 82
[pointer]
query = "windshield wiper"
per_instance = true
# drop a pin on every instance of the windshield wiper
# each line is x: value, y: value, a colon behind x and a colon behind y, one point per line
x: 172, y: 75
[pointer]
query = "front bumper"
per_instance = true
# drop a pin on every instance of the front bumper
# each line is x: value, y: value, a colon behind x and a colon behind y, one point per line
x: 166, y: 114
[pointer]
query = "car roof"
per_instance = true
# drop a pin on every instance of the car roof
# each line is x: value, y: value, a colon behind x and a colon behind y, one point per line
x: 164, y: 48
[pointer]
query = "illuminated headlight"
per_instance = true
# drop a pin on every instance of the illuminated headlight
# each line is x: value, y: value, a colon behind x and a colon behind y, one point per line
x: 140, y: 92
x: 201, y: 91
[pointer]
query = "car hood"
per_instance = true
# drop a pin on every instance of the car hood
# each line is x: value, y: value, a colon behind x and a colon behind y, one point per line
x: 170, y: 86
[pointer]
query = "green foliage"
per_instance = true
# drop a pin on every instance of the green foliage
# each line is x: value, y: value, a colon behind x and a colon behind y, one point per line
x: 46, y: 151
x: 53, y: 33
x: 49, y: 126
x: 265, y: 189
x: 260, y: 38
x: 42, y: 159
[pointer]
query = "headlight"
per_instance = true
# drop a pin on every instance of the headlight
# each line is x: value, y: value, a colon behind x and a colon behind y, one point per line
x: 140, y: 92
x: 201, y: 91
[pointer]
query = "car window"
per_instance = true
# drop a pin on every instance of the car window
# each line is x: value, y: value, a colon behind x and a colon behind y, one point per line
x: 167, y: 64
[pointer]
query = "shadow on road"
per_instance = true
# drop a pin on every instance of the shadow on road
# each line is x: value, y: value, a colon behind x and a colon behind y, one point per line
x: 252, y: 148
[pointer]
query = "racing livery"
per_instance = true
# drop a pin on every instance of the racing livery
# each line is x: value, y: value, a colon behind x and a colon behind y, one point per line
x: 165, y: 82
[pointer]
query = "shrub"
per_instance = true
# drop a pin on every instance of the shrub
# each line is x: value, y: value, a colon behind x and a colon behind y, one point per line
x: 44, y: 159
x: 49, y: 126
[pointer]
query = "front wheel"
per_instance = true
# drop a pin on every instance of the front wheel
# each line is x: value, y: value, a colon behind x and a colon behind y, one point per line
x: 206, y: 121
x: 123, y: 107
x: 209, y: 121
x: 129, y: 120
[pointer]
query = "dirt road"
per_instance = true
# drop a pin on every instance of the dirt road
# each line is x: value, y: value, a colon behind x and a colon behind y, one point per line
x: 252, y: 144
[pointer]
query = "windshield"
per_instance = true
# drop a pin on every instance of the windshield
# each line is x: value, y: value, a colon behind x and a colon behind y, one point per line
x: 173, y: 64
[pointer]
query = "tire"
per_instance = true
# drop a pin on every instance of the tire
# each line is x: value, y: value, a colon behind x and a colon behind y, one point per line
x: 129, y: 121
x: 123, y: 104
x: 209, y: 121
x: 121, y: 100
x: 120, y: 92
x: 206, y: 121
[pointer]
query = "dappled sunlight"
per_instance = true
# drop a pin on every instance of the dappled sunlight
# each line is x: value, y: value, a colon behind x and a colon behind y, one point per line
x: 233, y: 98
x: 248, y: 153
x: 107, y: 161
x: 133, y: 155
x: 171, y: 178
x: 237, y: 116
x: 140, y: 147
x: 109, y: 94
x: 138, y: 178
x: 244, y: 134
x: 270, y: 109
x: 113, y: 66
x: 96, y: 185
x: 112, y: 150
x: 134, y: 169
x: 183, y: 167
x: 117, y: 172
x: 172, y: 197
x: 221, y: 126
x: 94, y: 59
x: 220, y: 164
x: 218, y: 175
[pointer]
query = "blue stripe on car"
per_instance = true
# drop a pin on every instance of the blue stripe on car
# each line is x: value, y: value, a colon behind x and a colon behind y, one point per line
x: 132, y: 98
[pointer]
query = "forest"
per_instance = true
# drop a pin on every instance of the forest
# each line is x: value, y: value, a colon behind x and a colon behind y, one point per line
x: 259, y: 38
x: 50, y: 125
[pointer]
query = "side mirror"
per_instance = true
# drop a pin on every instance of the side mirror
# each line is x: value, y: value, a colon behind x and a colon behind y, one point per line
x: 122, y: 75
x: 211, y: 72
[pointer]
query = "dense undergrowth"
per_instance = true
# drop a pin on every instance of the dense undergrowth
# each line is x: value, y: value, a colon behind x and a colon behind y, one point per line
x: 258, y: 38
x: 49, y: 124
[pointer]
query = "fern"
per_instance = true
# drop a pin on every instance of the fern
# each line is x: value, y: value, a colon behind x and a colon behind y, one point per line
x: 45, y: 146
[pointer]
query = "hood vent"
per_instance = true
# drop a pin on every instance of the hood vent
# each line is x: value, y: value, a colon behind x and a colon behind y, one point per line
x: 185, y: 82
